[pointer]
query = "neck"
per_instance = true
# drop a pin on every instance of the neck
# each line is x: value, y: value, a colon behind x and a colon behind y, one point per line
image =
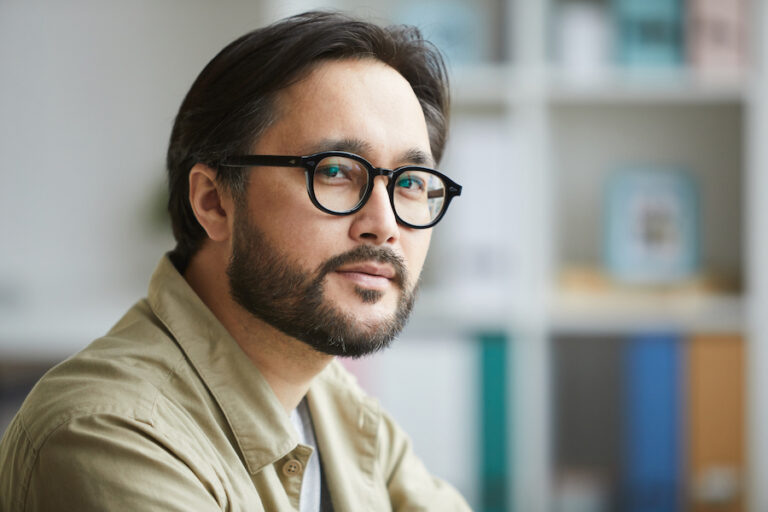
x: 287, y: 364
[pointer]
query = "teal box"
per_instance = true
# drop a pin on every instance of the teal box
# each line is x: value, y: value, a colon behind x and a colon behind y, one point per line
x: 457, y: 27
x: 649, y: 33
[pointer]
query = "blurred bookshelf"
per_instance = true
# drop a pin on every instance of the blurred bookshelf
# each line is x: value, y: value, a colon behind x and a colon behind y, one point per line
x: 566, y: 132
x: 549, y: 101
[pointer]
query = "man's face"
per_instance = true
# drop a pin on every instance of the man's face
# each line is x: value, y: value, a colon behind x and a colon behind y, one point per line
x: 343, y: 284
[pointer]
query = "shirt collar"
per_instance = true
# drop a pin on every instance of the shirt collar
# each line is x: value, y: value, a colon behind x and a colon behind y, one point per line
x: 261, y: 427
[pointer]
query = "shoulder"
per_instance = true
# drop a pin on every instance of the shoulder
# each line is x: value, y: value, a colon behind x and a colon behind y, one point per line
x: 112, y: 401
x: 122, y: 374
x: 100, y: 460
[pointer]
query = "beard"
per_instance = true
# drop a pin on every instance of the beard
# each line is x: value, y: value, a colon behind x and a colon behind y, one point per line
x: 279, y: 292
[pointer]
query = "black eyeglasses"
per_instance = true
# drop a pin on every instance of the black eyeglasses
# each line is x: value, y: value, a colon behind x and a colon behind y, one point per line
x: 340, y: 183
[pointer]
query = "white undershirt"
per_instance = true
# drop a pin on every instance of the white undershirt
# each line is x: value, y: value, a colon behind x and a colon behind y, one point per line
x: 309, y: 499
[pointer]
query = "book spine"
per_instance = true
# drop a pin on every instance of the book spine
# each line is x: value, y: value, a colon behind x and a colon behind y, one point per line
x: 717, y: 428
x: 495, y: 431
x: 587, y: 416
x: 653, y: 423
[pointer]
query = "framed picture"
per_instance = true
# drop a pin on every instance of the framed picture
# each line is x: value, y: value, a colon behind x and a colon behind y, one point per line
x: 651, y: 225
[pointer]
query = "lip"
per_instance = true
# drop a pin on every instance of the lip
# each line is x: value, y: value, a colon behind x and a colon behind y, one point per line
x: 368, y: 275
x: 369, y: 268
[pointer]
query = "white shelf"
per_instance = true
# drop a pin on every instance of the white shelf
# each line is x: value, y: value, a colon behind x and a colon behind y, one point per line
x: 502, y: 85
x: 622, y: 312
x: 678, y: 86
x: 609, y: 312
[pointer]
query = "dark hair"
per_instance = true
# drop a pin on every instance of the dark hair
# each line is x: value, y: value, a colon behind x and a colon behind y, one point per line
x: 232, y: 101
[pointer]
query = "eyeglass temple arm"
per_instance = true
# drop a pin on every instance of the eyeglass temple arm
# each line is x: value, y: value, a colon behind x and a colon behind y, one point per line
x: 453, y: 188
x: 439, y: 192
x: 266, y: 160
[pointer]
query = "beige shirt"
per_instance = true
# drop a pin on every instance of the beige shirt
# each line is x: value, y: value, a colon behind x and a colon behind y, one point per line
x: 167, y: 413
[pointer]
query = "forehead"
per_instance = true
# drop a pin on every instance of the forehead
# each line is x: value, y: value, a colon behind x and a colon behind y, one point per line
x: 351, y: 99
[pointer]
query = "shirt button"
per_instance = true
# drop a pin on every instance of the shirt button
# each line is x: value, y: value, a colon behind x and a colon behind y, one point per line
x: 292, y: 468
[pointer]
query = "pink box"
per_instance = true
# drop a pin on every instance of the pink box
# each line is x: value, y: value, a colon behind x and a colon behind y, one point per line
x: 717, y: 36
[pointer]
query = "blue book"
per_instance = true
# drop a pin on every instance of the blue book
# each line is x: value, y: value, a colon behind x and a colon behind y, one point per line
x: 653, y: 424
x: 649, y: 32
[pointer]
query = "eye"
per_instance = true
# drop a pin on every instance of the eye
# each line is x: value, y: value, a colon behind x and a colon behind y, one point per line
x: 410, y: 182
x: 338, y: 174
x: 331, y: 170
x: 336, y: 171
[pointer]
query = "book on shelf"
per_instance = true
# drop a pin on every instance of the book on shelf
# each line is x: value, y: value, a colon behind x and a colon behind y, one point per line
x: 653, y: 419
x: 496, y: 429
x: 587, y: 421
x: 649, y: 422
x: 716, y: 392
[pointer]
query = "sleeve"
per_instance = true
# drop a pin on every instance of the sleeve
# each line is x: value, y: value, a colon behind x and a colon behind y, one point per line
x: 109, y: 462
x: 411, y: 487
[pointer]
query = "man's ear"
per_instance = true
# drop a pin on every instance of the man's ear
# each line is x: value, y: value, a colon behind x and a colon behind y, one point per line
x: 213, y: 207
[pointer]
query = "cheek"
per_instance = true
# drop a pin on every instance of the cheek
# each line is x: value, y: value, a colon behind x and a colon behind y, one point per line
x: 312, y: 243
x: 300, y: 232
x: 280, y: 206
x: 415, y: 247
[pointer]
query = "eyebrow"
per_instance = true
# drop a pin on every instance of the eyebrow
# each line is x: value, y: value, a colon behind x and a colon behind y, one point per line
x: 414, y: 156
x: 419, y: 157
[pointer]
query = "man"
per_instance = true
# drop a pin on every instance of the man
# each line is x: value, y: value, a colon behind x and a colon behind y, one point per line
x: 302, y: 201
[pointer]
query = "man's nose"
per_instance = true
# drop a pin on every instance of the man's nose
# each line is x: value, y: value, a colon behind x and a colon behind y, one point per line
x: 375, y: 222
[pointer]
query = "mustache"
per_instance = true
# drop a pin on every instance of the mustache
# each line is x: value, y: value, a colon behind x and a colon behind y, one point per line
x: 367, y: 253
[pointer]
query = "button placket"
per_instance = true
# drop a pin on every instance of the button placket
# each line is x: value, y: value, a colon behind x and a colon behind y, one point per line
x: 292, y: 467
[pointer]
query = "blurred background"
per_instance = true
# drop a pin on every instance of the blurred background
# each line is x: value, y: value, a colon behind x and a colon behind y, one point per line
x: 592, y: 332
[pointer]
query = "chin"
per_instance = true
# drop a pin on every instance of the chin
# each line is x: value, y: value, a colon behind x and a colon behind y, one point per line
x: 373, y: 306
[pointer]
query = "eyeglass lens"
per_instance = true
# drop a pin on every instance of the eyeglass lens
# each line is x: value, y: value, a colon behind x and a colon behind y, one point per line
x: 340, y: 183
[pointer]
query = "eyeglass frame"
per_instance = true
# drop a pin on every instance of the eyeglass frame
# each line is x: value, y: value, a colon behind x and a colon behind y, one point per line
x: 309, y: 163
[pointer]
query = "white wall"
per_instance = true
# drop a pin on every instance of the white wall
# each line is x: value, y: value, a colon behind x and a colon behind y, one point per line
x: 88, y: 93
